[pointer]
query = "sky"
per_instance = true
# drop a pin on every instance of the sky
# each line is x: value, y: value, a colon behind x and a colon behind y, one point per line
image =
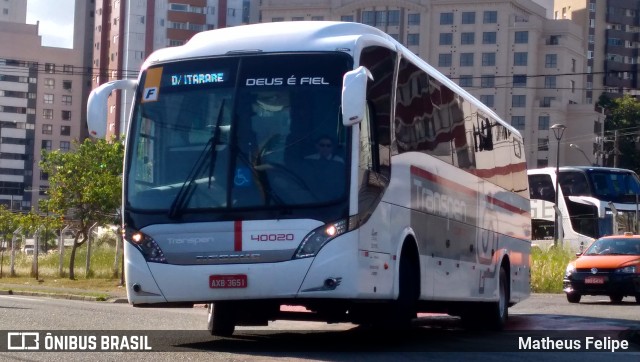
x: 548, y: 4
x: 56, y: 21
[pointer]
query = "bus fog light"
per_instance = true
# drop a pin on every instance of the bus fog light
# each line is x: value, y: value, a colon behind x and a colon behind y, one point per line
x: 330, y: 283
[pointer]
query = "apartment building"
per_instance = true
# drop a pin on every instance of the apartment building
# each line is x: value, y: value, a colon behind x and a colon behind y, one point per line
x: 126, y: 32
x: 42, y: 101
x: 611, y: 31
x: 507, y: 53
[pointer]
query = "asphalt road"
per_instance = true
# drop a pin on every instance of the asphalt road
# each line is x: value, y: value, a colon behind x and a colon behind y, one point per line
x: 436, y: 337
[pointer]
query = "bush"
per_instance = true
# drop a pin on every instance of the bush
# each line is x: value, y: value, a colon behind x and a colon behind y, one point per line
x: 102, y: 258
x: 547, y: 268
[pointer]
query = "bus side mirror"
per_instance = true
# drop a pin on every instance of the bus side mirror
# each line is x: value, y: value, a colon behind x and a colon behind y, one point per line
x: 354, y: 95
x: 97, y: 105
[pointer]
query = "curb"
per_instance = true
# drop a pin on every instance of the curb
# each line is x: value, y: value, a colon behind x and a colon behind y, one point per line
x: 64, y: 296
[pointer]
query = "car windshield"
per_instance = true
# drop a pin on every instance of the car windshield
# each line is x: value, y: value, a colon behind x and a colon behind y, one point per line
x: 239, y: 132
x: 614, y: 246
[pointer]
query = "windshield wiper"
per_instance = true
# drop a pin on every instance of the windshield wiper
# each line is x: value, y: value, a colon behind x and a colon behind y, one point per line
x: 186, y: 190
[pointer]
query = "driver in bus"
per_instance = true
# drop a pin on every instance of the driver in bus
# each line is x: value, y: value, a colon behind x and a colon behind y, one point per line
x: 325, y: 150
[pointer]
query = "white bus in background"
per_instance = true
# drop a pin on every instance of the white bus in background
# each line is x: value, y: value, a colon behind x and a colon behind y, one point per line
x: 585, y: 201
x: 228, y: 199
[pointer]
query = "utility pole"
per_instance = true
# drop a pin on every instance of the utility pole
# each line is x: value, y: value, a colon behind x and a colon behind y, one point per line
x: 604, y: 118
x: 616, y: 154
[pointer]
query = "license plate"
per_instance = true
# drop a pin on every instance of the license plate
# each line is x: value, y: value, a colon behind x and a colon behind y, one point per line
x: 594, y: 280
x: 228, y: 281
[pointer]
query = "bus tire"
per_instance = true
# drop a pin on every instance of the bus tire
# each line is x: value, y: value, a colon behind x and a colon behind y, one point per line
x: 405, y: 308
x: 489, y: 316
x: 499, y: 311
x: 221, y: 319
x: 638, y: 298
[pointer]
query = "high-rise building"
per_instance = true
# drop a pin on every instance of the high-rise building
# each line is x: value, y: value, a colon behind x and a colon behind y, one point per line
x: 126, y: 32
x: 611, y: 31
x: 507, y: 53
x: 42, y: 101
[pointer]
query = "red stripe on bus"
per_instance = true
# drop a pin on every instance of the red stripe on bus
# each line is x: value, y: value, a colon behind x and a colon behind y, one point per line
x: 237, y: 235
x: 501, y: 170
x: 442, y: 181
x: 504, y: 205
x: 463, y: 189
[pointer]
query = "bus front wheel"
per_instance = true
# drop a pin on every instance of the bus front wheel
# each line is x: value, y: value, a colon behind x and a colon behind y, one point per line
x: 221, y: 319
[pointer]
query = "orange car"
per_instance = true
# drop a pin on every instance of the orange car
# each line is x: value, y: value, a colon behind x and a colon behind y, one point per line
x: 610, y: 266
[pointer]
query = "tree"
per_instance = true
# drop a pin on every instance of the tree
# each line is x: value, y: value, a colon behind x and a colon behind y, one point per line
x: 623, y: 116
x: 8, y: 223
x: 84, y: 186
x: 33, y: 223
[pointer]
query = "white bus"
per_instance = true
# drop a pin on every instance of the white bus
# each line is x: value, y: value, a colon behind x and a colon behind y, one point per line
x: 317, y: 164
x: 593, y: 202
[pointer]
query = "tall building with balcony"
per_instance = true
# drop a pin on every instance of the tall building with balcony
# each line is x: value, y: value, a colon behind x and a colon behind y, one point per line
x: 126, y: 32
x: 612, y: 44
x: 507, y: 53
x: 42, y: 101
x: 612, y: 41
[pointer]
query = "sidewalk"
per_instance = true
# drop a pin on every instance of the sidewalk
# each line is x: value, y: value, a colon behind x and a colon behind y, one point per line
x: 117, y: 296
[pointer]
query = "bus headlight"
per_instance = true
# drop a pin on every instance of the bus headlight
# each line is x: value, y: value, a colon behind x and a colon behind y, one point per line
x: 147, y: 246
x: 316, y: 239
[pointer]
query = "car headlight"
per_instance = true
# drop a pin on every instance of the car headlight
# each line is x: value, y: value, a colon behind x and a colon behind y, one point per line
x: 627, y: 269
x: 570, y: 269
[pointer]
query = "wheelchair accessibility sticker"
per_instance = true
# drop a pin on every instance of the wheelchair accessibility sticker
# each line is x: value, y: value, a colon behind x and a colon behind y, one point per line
x: 242, y: 177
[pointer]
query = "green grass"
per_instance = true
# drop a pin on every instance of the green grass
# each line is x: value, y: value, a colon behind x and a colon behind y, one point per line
x: 547, y: 269
x: 101, y: 266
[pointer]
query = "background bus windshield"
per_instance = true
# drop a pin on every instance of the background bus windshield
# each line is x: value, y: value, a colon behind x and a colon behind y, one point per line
x: 239, y: 132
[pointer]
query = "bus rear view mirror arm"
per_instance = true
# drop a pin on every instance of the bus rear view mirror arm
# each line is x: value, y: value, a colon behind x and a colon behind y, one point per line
x: 354, y: 95
x: 97, y: 105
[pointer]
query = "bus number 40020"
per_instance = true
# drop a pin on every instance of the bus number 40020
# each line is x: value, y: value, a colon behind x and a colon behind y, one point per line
x: 272, y: 237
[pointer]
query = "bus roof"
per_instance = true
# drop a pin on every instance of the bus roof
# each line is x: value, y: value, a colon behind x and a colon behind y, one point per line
x: 584, y: 169
x: 296, y: 36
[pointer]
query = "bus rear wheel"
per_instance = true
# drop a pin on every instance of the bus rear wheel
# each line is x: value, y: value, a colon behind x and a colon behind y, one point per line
x: 499, y: 311
x: 221, y: 319
x: 490, y: 316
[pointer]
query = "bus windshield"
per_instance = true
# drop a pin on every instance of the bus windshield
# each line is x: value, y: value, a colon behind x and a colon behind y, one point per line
x: 615, y: 186
x: 238, y: 132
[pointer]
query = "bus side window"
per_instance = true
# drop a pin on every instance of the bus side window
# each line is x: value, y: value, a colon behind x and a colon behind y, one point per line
x: 375, y: 129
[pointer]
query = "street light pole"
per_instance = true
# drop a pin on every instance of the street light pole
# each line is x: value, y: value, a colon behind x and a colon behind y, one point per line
x: 573, y: 145
x: 558, y: 131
